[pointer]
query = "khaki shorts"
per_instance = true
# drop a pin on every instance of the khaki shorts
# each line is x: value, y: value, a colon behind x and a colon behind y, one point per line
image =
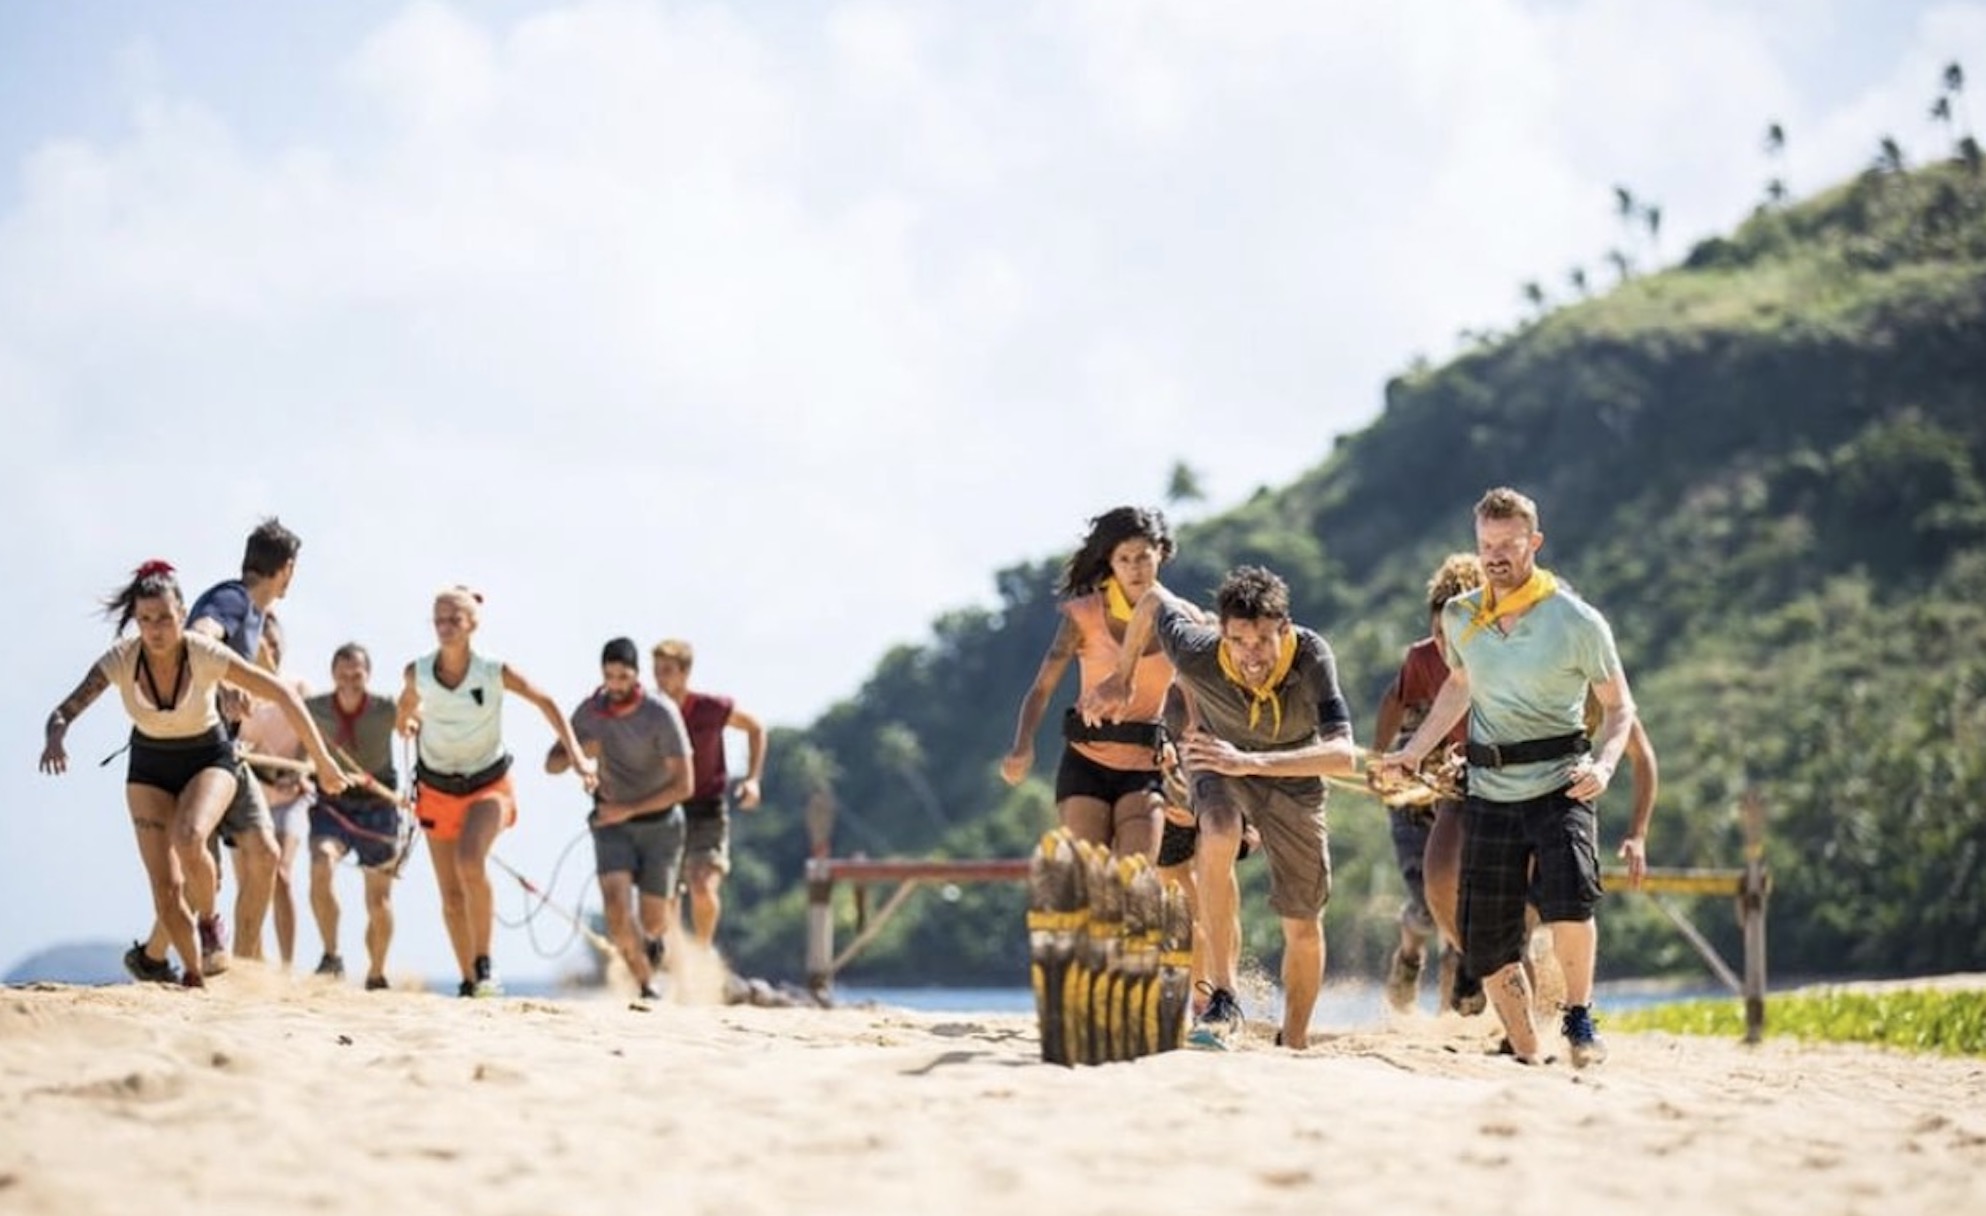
x: 248, y: 814
x: 706, y: 838
x: 1289, y: 814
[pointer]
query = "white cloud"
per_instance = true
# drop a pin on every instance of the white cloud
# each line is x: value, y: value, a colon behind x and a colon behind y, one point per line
x: 784, y: 332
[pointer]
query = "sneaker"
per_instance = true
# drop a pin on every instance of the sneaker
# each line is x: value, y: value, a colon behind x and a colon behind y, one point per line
x: 654, y: 948
x: 488, y: 986
x: 649, y: 992
x: 331, y: 966
x: 376, y: 983
x: 1469, y: 999
x: 148, y: 970
x: 1219, y: 1027
x: 466, y: 988
x: 1587, y: 1045
x: 213, y: 945
x: 1403, y: 980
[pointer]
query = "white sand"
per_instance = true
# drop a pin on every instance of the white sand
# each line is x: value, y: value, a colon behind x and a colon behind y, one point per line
x: 270, y: 1095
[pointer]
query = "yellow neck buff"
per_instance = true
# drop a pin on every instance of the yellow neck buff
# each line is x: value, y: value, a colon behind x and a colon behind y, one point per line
x: 1266, y: 691
x: 1541, y: 586
x: 1115, y: 602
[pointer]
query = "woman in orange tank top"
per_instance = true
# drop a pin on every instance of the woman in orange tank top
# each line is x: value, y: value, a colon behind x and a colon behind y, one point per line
x: 1107, y: 788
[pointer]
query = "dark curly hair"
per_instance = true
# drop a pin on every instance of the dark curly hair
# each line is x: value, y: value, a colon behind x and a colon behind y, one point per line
x: 1090, y: 564
x: 1252, y: 593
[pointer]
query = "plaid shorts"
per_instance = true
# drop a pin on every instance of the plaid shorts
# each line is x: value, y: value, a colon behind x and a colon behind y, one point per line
x: 1502, y: 841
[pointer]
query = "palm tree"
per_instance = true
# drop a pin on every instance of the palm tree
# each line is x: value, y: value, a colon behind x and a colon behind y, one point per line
x: 1775, y: 147
x: 1534, y: 295
x: 900, y: 752
x: 1623, y: 203
x: 1890, y: 158
x: 1968, y: 154
x: 1954, y: 81
x: 1183, y: 485
x: 1622, y: 264
x: 1652, y: 216
x: 1577, y: 277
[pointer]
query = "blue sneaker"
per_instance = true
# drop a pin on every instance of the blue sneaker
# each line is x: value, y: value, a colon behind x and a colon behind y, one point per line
x: 1587, y: 1046
x: 1220, y: 1026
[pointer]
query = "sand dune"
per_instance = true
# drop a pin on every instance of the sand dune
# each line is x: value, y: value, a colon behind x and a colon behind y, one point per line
x: 267, y: 1094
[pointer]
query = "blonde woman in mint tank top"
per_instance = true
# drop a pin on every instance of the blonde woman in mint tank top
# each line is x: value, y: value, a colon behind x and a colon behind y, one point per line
x: 452, y: 705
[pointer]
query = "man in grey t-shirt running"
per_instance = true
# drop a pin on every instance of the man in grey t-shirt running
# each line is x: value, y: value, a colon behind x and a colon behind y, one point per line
x: 637, y: 818
x: 1273, y: 724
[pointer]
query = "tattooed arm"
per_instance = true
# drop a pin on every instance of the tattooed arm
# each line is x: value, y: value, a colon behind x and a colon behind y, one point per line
x: 55, y: 757
x: 1020, y: 757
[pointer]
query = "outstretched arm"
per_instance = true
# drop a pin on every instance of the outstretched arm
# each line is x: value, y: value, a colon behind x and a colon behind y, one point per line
x: 1108, y: 699
x: 1061, y: 648
x: 589, y: 772
x: 748, y: 789
x: 1449, y: 706
x: 330, y: 778
x: 55, y: 756
x: 1634, y: 845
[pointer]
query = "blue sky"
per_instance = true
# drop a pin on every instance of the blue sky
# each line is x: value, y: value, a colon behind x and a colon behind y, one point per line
x: 779, y: 327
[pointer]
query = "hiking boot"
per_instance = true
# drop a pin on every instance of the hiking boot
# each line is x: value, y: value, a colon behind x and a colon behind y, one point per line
x: 213, y: 945
x: 376, y: 983
x: 1587, y: 1045
x: 1221, y: 1024
x: 1403, y: 980
x: 1469, y: 999
x: 331, y: 966
x: 148, y: 970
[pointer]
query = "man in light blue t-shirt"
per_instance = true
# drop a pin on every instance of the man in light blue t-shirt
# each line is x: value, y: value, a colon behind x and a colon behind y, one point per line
x: 1523, y: 652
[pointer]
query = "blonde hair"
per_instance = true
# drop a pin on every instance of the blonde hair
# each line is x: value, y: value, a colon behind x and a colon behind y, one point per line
x: 1459, y: 573
x: 468, y: 597
x: 681, y: 652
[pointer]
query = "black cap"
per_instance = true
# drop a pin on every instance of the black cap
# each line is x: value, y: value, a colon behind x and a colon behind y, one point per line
x: 622, y: 651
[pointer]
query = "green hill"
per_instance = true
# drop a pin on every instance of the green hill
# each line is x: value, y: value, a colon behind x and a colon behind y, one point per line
x: 1767, y: 465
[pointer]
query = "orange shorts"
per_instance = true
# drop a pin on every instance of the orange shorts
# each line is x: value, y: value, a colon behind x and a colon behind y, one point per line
x: 442, y: 815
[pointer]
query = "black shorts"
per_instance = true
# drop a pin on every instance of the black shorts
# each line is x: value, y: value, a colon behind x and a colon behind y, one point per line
x: 1178, y: 842
x: 172, y: 764
x: 1081, y: 777
x: 1501, y: 841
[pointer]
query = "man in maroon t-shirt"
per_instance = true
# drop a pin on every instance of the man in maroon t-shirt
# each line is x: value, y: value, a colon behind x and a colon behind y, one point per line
x: 707, y: 845
x: 1431, y: 897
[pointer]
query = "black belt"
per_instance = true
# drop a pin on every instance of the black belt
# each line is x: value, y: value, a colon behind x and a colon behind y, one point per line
x: 1527, y: 751
x: 1144, y: 734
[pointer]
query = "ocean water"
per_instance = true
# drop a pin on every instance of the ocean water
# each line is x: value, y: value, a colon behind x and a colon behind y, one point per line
x: 1349, y: 1004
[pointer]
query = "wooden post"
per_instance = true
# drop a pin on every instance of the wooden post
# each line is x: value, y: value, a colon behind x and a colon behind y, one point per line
x: 820, y: 925
x: 1751, y: 905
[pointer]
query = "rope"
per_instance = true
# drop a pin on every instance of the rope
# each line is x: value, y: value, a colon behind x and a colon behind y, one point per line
x: 529, y: 920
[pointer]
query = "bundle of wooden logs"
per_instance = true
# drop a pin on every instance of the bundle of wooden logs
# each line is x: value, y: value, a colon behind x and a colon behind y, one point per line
x: 1111, y: 948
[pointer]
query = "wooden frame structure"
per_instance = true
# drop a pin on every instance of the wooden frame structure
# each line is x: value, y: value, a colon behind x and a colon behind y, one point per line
x: 1749, y: 886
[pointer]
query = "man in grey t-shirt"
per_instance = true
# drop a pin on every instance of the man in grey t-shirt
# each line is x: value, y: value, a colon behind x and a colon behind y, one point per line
x: 637, y: 818
x: 1273, y: 724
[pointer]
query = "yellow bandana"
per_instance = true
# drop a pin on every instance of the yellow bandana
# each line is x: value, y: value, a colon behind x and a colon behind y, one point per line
x: 1541, y: 586
x: 1115, y: 601
x: 1267, y: 691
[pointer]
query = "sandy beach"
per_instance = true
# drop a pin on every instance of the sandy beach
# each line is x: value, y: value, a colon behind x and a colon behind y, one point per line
x: 268, y: 1094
